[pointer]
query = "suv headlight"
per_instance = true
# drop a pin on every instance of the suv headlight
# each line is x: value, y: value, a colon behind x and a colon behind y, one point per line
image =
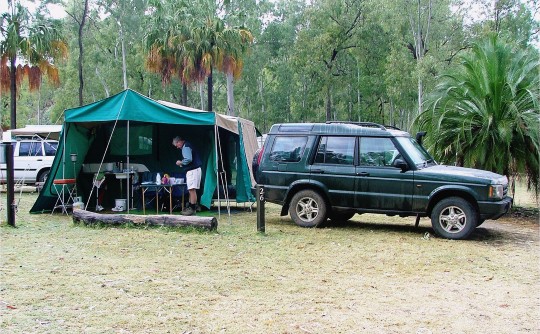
x: 496, y: 191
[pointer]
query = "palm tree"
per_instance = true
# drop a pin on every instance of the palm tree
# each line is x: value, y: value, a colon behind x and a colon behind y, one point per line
x: 238, y: 41
x: 35, y: 43
x: 486, y: 114
x: 164, y: 42
x: 214, y: 45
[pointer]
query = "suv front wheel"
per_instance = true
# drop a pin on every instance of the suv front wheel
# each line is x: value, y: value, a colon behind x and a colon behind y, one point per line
x: 454, y: 218
x: 308, y: 208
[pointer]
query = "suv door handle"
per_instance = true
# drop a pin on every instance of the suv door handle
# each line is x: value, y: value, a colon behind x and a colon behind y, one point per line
x: 363, y: 174
x: 317, y: 171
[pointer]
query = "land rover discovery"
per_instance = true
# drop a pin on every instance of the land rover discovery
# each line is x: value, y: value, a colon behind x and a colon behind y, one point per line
x: 335, y: 170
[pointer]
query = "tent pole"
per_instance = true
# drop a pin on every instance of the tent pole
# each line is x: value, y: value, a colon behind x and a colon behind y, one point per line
x: 127, y: 168
x: 216, y: 138
x: 64, y: 154
x: 225, y: 192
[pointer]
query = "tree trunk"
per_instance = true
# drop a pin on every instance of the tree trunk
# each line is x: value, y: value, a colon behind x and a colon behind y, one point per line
x: 201, y: 93
x: 91, y: 218
x: 81, y: 52
x: 420, y: 96
x: 210, y: 89
x: 103, y: 83
x: 184, y: 94
x: 230, y: 94
x: 124, y: 66
x: 328, y: 104
x: 261, y: 94
x: 13, y: 90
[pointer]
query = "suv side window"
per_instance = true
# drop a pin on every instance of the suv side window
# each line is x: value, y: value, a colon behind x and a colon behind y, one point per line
x: 335, y: 150
x: 30, y: 149
x: 50, y: 148
x: 379, y: 152
x: 288, y: 148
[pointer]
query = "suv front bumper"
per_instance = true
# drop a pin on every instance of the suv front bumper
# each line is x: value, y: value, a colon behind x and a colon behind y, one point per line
x: 494, y: 210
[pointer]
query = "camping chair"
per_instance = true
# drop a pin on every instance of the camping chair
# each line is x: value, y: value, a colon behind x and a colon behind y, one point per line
x: 66, y: 191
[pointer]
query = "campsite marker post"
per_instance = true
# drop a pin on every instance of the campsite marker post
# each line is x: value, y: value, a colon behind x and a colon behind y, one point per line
x: 6, y: 156
x: 260, y: 209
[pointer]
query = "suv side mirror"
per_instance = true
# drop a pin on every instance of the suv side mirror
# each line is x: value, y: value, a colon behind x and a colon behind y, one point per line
x: 401, y: 164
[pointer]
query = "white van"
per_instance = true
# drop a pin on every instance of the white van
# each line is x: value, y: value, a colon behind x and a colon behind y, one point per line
x: 33, y: 155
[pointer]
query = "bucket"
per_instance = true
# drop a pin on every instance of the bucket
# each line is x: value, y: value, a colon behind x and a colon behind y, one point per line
x: 78, y: 205
x: 120, y: 204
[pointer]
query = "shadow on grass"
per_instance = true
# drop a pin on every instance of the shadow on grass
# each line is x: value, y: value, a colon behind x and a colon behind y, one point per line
x: 489, y: 235
x: 379, y: 227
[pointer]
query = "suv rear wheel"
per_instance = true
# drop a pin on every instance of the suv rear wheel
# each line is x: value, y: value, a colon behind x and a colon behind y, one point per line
x: 308, y: 209
x: 454, y: 218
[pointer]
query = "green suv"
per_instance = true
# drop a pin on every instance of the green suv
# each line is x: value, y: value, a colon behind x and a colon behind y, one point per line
x: 335, y: 170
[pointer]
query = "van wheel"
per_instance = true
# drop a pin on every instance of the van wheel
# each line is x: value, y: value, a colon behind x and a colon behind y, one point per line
x: 341, y: 216
x: 454, y: 218
x: 43, y: 175
x: 308, y: 209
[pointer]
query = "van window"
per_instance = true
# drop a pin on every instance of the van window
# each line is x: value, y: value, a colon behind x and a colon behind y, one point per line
x: 335, y: 150
x: 29, y: 149
x: 377, y: 151
x: 288, y: 148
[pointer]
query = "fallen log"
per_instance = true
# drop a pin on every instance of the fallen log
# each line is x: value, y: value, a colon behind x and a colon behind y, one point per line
x: 91, y: 218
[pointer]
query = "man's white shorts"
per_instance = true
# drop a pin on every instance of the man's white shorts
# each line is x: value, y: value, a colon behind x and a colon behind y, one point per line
x: 193, y: 178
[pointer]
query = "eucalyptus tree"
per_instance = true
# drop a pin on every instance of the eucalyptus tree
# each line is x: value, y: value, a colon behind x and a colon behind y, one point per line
x: 127, y: 16
x: 513, y: 19
x: 486, y: 113
x: 81, y: 21
x: 31, y: 40
x: 330, y: 30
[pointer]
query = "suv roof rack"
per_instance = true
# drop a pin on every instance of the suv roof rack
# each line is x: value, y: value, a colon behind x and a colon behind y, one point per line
x: 364, y: 124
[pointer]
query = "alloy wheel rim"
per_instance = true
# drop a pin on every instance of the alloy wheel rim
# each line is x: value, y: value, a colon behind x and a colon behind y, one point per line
x: 453, y: 219
x: 307, y: 209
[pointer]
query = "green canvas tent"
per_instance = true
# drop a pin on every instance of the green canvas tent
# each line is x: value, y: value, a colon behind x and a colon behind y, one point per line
x: 135, y: 130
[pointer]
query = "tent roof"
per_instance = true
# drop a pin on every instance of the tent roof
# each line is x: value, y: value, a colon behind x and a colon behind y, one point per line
x: 129, y: 105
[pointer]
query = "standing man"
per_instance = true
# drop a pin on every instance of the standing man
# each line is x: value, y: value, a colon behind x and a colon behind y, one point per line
x: 192, y: 164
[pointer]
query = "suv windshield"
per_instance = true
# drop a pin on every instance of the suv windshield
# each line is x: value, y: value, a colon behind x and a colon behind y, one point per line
x: 417, y: 153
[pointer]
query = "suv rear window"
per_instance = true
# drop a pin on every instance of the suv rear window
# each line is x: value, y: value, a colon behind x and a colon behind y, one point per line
x: 288, y: 148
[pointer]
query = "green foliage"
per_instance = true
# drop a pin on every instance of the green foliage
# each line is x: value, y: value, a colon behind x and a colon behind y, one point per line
x: 308, y: 60
x: 485, y: 113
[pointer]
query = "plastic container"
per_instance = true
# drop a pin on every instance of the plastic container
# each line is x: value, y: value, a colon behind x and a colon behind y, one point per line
x: 120, y: 204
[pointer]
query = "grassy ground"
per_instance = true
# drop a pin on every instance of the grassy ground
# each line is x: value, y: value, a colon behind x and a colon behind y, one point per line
x: 375, y: 274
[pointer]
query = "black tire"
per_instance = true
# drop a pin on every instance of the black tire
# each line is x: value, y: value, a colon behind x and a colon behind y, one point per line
x: 341, y: 216
x: 308, y: 209
x: 43, y: 175
x: 480, y: 222
x: 454, y: 218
